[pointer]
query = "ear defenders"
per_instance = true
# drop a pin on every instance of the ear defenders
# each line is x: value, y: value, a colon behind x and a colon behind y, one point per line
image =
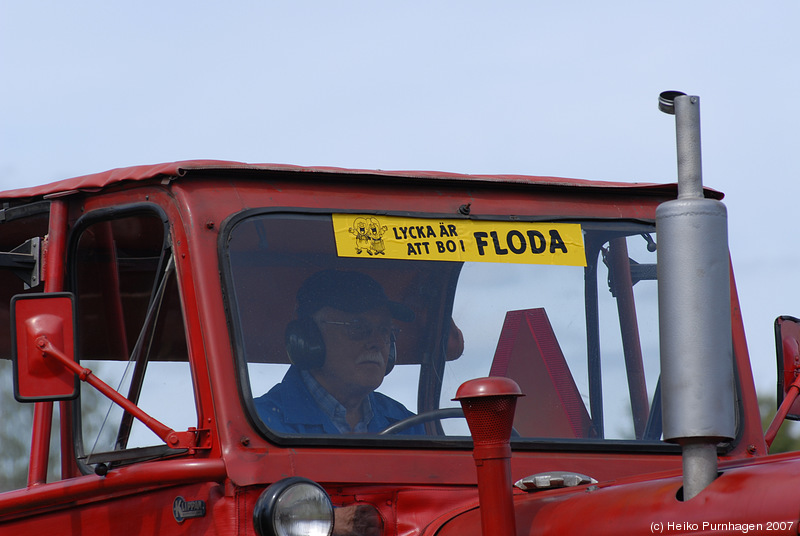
x: 306, y: 347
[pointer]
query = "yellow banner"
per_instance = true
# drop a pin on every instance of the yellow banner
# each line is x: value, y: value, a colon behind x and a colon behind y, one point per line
x: 391, y: 237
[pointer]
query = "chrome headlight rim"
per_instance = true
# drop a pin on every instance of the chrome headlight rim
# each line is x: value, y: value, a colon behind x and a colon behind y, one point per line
x: 271, y: 508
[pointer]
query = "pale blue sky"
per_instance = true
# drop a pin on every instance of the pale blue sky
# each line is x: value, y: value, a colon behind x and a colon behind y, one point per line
x: 557, y: 88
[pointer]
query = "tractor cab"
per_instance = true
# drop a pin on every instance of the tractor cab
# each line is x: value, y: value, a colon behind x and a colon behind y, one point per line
x: 217, y: 333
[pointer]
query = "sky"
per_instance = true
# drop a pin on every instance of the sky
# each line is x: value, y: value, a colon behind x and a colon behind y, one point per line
x: 564, y: 89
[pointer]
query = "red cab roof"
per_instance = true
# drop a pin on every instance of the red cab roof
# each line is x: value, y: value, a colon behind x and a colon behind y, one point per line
x: 97, y: 181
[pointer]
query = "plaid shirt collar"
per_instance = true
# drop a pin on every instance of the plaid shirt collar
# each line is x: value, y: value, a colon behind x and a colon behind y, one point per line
x: 333, y: 409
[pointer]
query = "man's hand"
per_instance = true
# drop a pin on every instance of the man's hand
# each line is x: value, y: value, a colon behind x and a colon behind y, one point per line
x: 357, y: 520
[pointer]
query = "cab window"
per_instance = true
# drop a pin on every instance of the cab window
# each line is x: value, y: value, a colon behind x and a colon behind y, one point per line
x: 130, y: 334
x: 364, y: 326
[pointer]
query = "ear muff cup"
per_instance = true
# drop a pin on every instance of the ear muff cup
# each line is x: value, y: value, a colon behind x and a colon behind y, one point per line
x: 306, y: 347
x: 304, y: 343
x: 392, y: 355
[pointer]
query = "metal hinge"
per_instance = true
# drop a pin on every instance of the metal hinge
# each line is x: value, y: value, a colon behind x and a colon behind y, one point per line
x: 24, y: 261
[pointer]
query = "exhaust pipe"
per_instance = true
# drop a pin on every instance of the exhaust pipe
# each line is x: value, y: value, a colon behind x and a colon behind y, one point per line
x: 697, y: 387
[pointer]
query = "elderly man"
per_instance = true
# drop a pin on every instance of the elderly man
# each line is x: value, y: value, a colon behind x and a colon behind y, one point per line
x: 341, y: 346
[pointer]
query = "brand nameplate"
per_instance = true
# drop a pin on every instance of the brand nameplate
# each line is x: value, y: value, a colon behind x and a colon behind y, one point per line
x: 183, y: 509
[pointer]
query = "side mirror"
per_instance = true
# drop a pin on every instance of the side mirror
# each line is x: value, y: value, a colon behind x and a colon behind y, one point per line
x: 38, y: 377
x: 787, y: 346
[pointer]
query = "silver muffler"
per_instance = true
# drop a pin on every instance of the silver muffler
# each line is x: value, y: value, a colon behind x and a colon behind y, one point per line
x: 697, y: 386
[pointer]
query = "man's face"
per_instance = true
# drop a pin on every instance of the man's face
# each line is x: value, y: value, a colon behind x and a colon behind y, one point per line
x: 356, y: 351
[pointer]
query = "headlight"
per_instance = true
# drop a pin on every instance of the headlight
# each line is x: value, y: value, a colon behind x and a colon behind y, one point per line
x: 293, y: 507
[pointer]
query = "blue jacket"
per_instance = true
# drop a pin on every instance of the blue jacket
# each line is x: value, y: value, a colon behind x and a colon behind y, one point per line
x: 289, y: 408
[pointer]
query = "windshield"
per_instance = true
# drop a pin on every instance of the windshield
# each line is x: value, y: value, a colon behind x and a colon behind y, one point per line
x: 367, y: 324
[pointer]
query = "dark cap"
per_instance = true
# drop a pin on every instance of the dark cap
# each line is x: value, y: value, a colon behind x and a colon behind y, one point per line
x: 352, y: 292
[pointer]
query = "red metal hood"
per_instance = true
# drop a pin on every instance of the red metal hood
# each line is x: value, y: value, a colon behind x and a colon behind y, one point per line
x: 759, y: 499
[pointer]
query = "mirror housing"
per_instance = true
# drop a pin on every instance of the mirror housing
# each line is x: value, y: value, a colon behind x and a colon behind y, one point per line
x: 787, y: 346
x: 37, y: 377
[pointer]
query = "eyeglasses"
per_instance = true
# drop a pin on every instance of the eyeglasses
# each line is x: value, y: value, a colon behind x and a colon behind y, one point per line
x: 360, y: 330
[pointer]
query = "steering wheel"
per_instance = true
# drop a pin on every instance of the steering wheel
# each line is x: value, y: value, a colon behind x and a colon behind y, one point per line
x: 433, y: 415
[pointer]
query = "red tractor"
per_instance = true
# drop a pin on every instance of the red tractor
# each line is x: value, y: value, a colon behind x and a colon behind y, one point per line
x: 235, y: 349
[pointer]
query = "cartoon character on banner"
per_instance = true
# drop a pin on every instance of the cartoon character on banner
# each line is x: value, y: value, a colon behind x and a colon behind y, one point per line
x: 368, y: 234
x: 359, y: 230
x: 376, y: 232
